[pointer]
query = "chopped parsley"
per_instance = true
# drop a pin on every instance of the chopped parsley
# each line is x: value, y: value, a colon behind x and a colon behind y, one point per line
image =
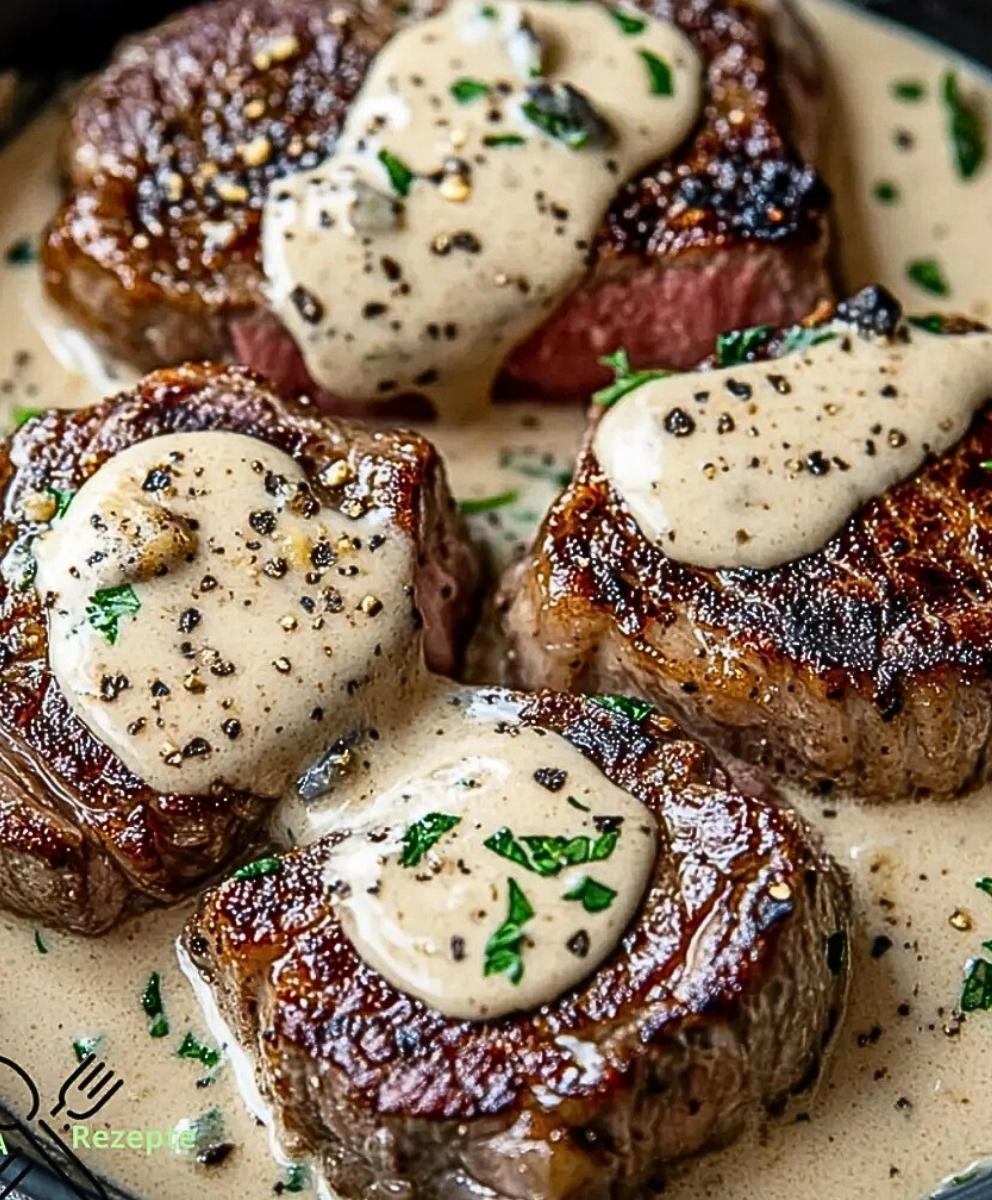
x: 976, y: 990
x: 801, y: 337
x: 928, y: 274
x: 965, y: 126
x: 484, y: 504
x: 39, y: 942
x: 624, y: 706
x: 503, y: 950
x: 556, y: 123
x: 107, y: 606
x: 296, y: 1179
x: 912, y: 91
x: 489, y: 12
x: 400, y: 175
x: 629, y: 24
x: 20, y: 416
x: 534, y: 466
x: 85, y: 1046
x: 933, y: 323
x: 21, y: 253
x: 151, y: 1002
x: 659, y: 74
x: 424, y: 834
x: 739, y: 345
x: 63, y: 498
x: 466, y: 90
x: 886, y: 192
x: 547, y: 855
x: 193, y: 1048
x: 258, y: 868
x: 625, y: 380
x: 576, y: 803
x: 504, y: 139
x: 594, y: 897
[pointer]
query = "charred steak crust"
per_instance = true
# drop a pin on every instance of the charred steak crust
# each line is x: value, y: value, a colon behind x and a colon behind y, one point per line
x: 721, y: 996
x: 162, y: 846
x: 866, y: 663
x: 157, y: 250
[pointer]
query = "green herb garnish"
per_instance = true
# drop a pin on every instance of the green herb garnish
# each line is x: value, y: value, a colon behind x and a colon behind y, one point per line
x: 549, y: 856
x: 108, y: 605
x: 624, y: 706
x: 297, y: 1179
x: 624, y: 379
x: 628, y: 23
x: 20, y: 416
x: 423, y: 834
x: 575, y: 803
x: 489, y: 12
x: 193, y: 1048
x: 556, y: 124
x: 738, y: 345
x: 594, y: 897
x: 503, y: 950
x: 660, y: 74
x: 967, y: 135
x: 84, y: 1047
x: 801, y: 337
x: 258, y: 868
x: 910, y: 90
x: 466, y: 90
x: 886, y: 192
x: 928, y: 274
x: 400, y: 175
x: 151, y: 1002
x: 21, y: 253
x: 934, y: 323
x: 63, y: 498
x: 484, y: 504
x: 39, y: 942
x: 976, y: 991
x: 534, y: 466
x: 504, y: 139
x: 984, y: 885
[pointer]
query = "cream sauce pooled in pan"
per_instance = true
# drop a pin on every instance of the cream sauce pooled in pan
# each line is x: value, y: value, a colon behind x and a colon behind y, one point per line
x: 906, y: 1098
x: 466, y: 188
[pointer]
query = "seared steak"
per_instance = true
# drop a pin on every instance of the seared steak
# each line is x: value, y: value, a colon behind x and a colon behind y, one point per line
x: 721, y: 997
x: 865, y: 664
x: 81, y: 837
x: 156, y: 251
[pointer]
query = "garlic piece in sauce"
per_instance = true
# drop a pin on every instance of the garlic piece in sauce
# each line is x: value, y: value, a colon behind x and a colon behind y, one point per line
x: 497, y: 879
x: 498, y: 186
x: 759, y: 464
x: 210, y: 619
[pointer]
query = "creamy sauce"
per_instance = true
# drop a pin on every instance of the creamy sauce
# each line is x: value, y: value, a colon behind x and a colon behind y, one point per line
x: 496, y: 881
x: 761, y: 463
x: 211, y: 620
x: 906, y: 1098
x: 447, y: 224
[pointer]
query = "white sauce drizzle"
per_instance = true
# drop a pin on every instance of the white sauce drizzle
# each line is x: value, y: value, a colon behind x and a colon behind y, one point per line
x: 472, y: 930
x: 426, y: 282
x: 760, y: 464
x: 247, y: 612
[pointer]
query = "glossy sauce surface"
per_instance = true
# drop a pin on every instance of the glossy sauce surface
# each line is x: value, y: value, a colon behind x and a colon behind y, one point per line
x: 761, y: 463
x: 906, y: 1099
x: 210, y: 620
x: 448, y: 223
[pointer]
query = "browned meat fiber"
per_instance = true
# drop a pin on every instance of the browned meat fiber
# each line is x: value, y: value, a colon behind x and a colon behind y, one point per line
x: 165, y: 148
x: 82, y: 840
x: 721, y: 997
x: 866, y: 664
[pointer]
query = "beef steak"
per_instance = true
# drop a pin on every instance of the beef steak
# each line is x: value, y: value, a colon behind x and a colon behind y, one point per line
x: 81, y: 837
x: 722, y: 996
x: 172, y: 148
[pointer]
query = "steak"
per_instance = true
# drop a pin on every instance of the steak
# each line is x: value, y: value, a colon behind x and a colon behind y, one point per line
x: 172, y: 148
x: 722, y: 996
x: 82, y: 839
x: 866, y: 664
